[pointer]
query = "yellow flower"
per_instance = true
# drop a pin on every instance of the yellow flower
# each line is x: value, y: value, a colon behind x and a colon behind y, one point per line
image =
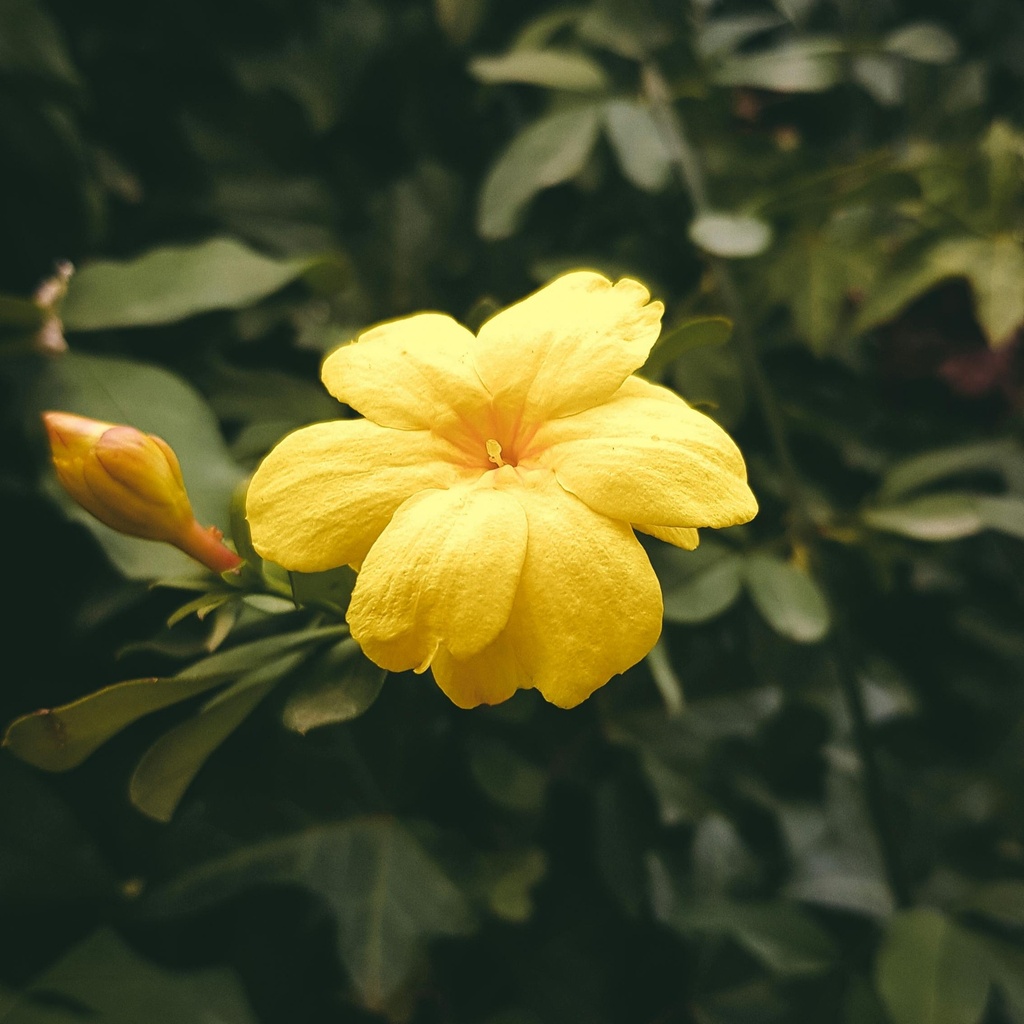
x: 131, y: 482
x: 490, y: 495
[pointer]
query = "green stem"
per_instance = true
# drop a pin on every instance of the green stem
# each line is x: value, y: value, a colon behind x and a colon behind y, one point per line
x: 801, y: 526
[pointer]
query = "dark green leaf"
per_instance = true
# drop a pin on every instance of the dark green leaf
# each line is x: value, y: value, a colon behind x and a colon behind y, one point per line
x: 117, y: 986
x: 669, y: 684
x: 1004, y: 456
x: 636, y: 140
x: 994, y: 267
x: 699, y: 332
x: 31, y: 43
x: 507, y: 777
x: 387, y: 896
x: 929, y: 971
x: 176, y: 282
x: 459, y: 19
x: 167, y: 769
x: 330, y: 589
x: 784, y: 938
x: 510, y: 879
x: 20, y: 313
x: 337, y: 687
x: 720, y: 857
x: 788, y: 598
x: 549, y: 152
x: 726, y: 34
x: 702, y: 584
x: 1001, y: 901
x: 950, y: 516
x: 63, y: 737
x: 48, y: 862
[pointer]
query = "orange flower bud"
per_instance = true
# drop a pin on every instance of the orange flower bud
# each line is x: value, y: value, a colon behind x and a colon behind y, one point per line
x: 132, y: 482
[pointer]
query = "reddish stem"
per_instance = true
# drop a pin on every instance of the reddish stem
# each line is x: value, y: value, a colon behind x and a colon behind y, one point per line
x: 204, y: 544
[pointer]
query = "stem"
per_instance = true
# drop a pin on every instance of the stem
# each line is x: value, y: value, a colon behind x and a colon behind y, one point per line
x: 801, y: 526
x: 205, y: 546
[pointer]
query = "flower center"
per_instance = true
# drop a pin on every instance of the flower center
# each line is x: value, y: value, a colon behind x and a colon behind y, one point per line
x: 494, y: 452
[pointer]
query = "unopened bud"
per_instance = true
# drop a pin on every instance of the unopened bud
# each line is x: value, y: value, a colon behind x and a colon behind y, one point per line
x: 132, y: 482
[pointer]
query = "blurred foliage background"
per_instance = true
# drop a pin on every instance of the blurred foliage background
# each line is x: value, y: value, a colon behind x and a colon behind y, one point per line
x: 806, y: 805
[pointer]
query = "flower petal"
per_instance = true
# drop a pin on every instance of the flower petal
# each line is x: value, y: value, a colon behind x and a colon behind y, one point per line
x: 490, y: 677
x: 325, y: 493
x: 684, y: 537
x: 567, y: 346
x: 647, y: 457
x: 588, y: 606
x: 444, y: 572
x: 414, y: 373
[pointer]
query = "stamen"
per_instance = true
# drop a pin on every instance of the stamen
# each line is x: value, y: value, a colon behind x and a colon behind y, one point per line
x: 494, y: 453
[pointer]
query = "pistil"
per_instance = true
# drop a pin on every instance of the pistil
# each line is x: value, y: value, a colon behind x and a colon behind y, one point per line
x: 494, y: 452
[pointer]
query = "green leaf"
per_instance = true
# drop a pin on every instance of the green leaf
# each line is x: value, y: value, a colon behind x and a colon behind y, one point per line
x: 950, y: 516
x: 157, y: 402
x: 176, y: 282
x: 331, y: 588
x: 711, y: 377
x: 62, y: 738
x: 507, y: 777
x: 637, y: 144
x: 700, y: 332
x: 555, y: 69
x: 815, y: 271
x: 538, y: 32
x: 730, y: 235
x: 788, y: 598
x: 116, y: 986
x: 932, y: 517
x: 782, y: 936
x: 1004, y: 456
x: 806, y: 65
x: 1001, y: 901
x: 629, y: 28
x: 883, y: 75
x: 244, y: 657
x: 996, y: 273
x: 669, y: 685
x: 48, y: 862
x: 862, y: 1005
x: 1003, y: 512
x: 201, y: 606
x: 1006, y: 968
x: 720, y: 857
x: 929, y: 971
x: 459, y: 19
x: 31, y: 43
x: 795, y: 10
x: 923, y: 41
x: 20, y: 313
x: 701, y: 584
x: 994, y: 267
x: 552, y: 150
x: 339, y: 686
x: 167, y: 769
x: 1003, y: 149
x: 387, y: 896
x: 726, y: 35
x: 510, y: 878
